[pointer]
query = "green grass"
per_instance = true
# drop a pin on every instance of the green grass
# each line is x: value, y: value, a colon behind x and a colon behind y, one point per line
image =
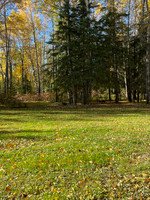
x: 82, y: 153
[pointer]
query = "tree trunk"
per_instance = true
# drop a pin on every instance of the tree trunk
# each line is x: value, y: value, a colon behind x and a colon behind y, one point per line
x: 22, y: 75
x: 10, y: 72
x: 70, y: 97
x: 138, y: 96
x: 109, y: 93
x: 36, y: 55
x: 37, y: 62
x: 33, y: 67
x: 6, y: 54
x: 128, y: 70
x: 148, y: 57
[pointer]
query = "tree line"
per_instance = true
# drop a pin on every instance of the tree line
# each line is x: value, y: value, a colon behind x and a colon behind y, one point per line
x: 75, y: 47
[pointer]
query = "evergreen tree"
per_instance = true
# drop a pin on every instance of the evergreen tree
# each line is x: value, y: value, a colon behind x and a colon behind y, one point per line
x: 74, y: 40
x: 112, y: 42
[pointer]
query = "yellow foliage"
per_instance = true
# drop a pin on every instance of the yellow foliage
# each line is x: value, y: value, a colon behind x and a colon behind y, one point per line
x: 98, y: 9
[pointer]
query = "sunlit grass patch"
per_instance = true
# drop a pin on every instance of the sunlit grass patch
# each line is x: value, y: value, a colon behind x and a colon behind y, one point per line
x: 62, y: 153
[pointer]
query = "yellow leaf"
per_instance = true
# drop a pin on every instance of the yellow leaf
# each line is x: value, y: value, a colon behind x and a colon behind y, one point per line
x: 144, y: 174
x: 136, y: 187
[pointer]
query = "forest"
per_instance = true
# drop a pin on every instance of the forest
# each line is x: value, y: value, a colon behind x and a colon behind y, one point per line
x: 75, y: 48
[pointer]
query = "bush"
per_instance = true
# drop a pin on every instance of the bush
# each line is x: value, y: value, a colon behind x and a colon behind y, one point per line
x: 11, y: 101
x: 35, y: 97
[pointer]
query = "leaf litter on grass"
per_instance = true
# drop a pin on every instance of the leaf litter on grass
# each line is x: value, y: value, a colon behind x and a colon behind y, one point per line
x: 78, y: 155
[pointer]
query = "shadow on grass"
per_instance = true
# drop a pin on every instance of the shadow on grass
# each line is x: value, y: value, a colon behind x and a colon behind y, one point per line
x: 25, y: 131
x: 101, y: 113
x: 88, y: 115
x: 28, y: 134
x: 28, y: 137
x: 10, y: 113
x: 12, y: 120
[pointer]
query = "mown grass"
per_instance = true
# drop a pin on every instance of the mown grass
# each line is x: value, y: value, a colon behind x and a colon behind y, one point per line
x: 75, y: 153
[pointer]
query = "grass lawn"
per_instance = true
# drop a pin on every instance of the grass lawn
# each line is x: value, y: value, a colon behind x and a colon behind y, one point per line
x: 83, y: 153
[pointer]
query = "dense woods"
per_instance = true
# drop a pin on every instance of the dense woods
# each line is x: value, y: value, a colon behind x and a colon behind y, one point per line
x: 73, y: 48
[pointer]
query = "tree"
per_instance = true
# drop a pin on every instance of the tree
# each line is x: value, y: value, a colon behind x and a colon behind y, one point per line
x: 148, y: 53
x: 5, y: 8
x: 112, y: 41
x: 73, y: 47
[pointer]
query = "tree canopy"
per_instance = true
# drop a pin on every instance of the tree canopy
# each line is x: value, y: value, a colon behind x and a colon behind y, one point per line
x: 75, y: 47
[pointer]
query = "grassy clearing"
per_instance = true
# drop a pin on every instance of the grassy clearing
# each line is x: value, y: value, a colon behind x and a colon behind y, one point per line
x: 67, y: 153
